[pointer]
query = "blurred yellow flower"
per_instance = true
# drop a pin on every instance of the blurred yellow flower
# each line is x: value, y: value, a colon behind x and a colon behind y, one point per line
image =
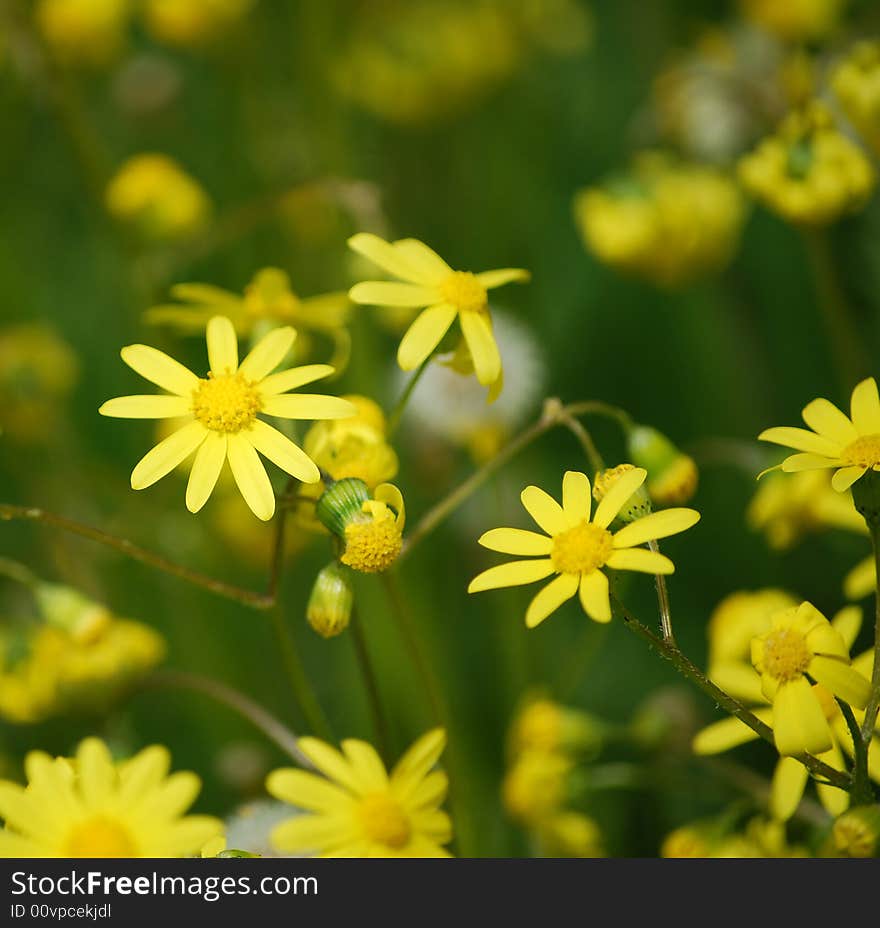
x: 38, y: 369
x: 666, y: 221
x: 357, y: 809
x: 672, y: 474
x: 808, y: 171
x: 430, y: 282
x: 850, y: 446
x: 576, y: 547
x: 570, y: 834
x: 856, y: 83
x: 537, y: 786
x: 541, y: 724
x: 91, y: 806
x: 191, y: 23
x: 794, y: 20
x: 785, y: 508
x: 90, y: 32
x: 155, y: 196
x: 223, y: 411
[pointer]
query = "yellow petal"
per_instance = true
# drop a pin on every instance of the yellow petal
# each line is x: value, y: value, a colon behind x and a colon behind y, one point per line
x: 419, y: 758
x: 847, y: 623
x: 96, y: 772
x: 722, y: 736
x: 834, y: 800
x: 576, y: 496
x: 147, y: 407
x: 477, y: 330
x: 621, y: 490
x: 390, y: 495
x: 550, y: 598
x: 841, y: 679
x: 294, y: 377
x: 546, y: 512
x: 801, y: 440
x: 386, y: 256
x: 268, y: 353
x: 656, y: 525
x: 787, y: 788
x: 383, y: 293
x: 739, y: 679
x: 307, y: 791
x: 206, y: 468
x: 514, y: 573
x: 826, y: 419
x: 796, y: 463
x: 222, y: 346
x: 366, y: 765
x: 516, y: 541
x: 865, y: 407
x: 162, y: 459
x: 861, y: 580
x: 594, y: 596
x: 642, y: 560
x: 330, y: 762
x: 308, y: 406
x: 799, y: 725
x: 251, y: 476
x: 504, y: 275
x: 280, y: 450
x: 844, y: 478
x: 424, y: 259
x: 160, y: 369
x: 310, y: 833
x: 424, y: 335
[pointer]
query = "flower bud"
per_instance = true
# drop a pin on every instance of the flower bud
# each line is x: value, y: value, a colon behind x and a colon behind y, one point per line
x: 856, y: 833
x: 672, y: 475
x: 330, y: 603
x: 341, y: 504
x: 65, y: 608
x: 544, y: 725
x: 638, y: 505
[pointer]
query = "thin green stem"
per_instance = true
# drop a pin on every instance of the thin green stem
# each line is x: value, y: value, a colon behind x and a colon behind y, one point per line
x: 871, y: 710
x: 371, y: 685
x: 663, y: 600
x: 585, y: 440
x: 862, y: 793
x: 246, y: 707
x: 598, y: 408
x: 250, y: 598
x: 689, y: 670
x: 396, y: 413
x: 17, y: 572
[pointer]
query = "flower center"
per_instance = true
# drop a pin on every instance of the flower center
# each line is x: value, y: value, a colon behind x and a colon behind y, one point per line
x: 384, y: 821
x: 100, y: 837
x: 372, y: 546
x: 225, y: 403
x: 464, y: 291
x: 863, y: 452
x: 580, y: 550
x: 786, y: 655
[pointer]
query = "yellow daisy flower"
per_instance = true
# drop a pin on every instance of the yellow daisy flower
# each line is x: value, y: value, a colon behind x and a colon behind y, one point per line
x: 851, y: 445
x: 576, y: 547
x: 91, y: 806
x: 428, y: 281
x: 358, y: 809
x: 801, y: 642
x: 223, y: 410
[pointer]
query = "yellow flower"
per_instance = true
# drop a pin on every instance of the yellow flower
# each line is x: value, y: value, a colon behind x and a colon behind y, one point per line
x: 849, y: 445
x: 428, y: 281
x: 801, y: 642
x: 544, y: 725
x: 223, y: 410
x: 808, y: 172
x: 785, y: 508
x: 794, y: 20
x: 570, y: 834
x: 88, y: 32
x: 90, y: 806
x: 356, y: 809
x: 155, y: 195
x: 192, y: 22
x: 856, y: 83
x: 536, y: 786
x: 373, y: 537
x: 576, y: 547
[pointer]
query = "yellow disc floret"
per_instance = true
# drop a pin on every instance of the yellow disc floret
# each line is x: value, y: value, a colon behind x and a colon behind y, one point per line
x: 464, y: 292
x: 100, y: 837
x: 582, y: 549
x: 373, y: 545
x: 863, y: 452
x: 227, y: 403
x: 384, y: 820
x: 786, y: 654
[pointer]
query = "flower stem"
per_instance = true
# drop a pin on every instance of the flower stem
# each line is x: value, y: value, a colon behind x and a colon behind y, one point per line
x: 17, y: 572
x: 663, y: 601
x: 246, y: 707
x: 873, y: 706
x: 586, y: 440
x: 400, y: 406
x: 861, y: 792
x: 689, y: 670
x: 371, y: 685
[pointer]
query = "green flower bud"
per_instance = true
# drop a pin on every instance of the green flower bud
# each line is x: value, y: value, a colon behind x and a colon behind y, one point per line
x: 856, y: 832
x: 67, y: 609
x: 672, y: 475
x: 638, y: 505
x: 342, y: 503
x: 330, y: 603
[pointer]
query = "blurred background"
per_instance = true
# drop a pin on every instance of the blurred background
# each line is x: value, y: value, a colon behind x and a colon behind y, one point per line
x: 481, y: 128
